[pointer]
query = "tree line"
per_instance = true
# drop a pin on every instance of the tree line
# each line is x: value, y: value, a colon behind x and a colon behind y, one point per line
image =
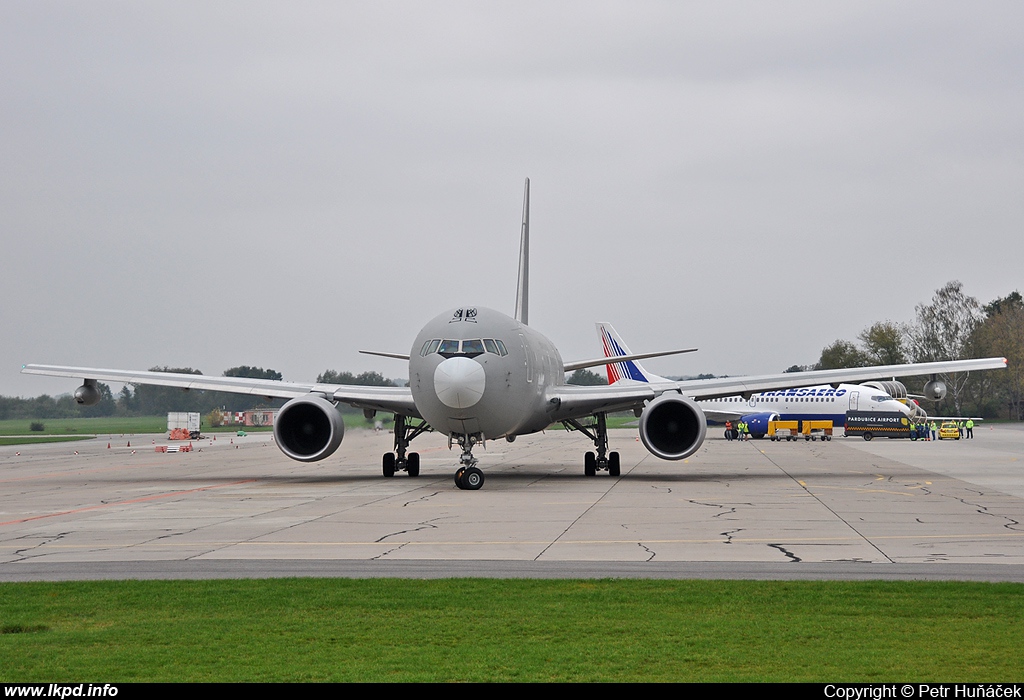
x: 953, y: 326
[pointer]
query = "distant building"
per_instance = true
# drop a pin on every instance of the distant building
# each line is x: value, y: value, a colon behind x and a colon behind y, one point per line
x: 252, y: 418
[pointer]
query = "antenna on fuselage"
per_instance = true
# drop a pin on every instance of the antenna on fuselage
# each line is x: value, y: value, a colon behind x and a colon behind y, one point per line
x: 523, y: 289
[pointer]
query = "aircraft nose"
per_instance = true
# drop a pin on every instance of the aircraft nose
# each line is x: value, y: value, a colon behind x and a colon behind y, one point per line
x: 459, y: 382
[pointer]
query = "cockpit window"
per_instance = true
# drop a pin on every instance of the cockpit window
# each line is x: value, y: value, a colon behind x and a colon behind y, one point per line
x: 429, y: 347
x: 881, y: 398
x: 473, y: 347
x: 469, y: 348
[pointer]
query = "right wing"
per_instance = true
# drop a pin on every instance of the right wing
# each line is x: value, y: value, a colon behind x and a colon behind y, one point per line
x: 392, y: 399
x: 568, y: 401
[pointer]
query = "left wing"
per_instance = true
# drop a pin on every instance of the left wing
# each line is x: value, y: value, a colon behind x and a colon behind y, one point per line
x: 380, y: 398
x: 570, y: 401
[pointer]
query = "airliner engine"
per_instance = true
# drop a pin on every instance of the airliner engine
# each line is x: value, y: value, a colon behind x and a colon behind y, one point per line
x: 88, y: 394
x: 757, y: 423
x: 935, y: 390
x: 308, y: 428
x: 672, y: 426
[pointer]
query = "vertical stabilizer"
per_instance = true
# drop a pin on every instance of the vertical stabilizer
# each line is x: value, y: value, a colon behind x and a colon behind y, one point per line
x: 614, y: 346
x: 523, y: 290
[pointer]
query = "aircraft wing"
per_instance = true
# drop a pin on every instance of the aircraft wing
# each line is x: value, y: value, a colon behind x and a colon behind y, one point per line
x: 380, y: 398
x: 570, y: 401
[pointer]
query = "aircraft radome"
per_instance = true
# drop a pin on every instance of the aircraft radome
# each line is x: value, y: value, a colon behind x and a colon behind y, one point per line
x: 476, y: 374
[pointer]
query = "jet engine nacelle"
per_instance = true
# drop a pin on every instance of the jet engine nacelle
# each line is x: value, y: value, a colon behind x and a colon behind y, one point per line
x: 88, y: 394
x: 757, y: 423
x: 672, y: 427
x: 935, y: 390
x: 308, y: 428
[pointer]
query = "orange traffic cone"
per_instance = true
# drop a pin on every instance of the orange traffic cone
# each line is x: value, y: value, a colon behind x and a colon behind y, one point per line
x: 129, y: 443
x: 108, y: 445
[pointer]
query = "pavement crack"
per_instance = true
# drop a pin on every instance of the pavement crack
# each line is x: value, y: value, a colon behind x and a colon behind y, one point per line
x: 423, y: 526
x: 25, y: 553
x: 389, y: 551
x: 725, y: 510
x: 728, y: 534
x: 788, y: 554
x: 648, y: 550
x: 421, y: 498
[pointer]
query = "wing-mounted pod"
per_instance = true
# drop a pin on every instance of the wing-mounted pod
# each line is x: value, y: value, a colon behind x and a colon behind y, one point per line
x: 672, y: 427
x: 757, y: 423
x: 309, y: 428
x: 935, y: 390
x: 88, y: 394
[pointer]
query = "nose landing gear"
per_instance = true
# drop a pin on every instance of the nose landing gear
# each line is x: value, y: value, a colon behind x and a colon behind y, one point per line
x: 468, y: 477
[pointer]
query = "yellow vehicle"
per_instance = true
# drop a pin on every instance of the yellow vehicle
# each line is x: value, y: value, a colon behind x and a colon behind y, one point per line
x: 949, y: 431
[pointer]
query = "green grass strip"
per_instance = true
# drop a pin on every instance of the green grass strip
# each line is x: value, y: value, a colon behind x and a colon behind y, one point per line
x: 510, y: 630
x: 31, y: 440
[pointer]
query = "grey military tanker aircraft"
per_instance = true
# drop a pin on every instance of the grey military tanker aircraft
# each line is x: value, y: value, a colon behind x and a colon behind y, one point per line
x: 476, y: 374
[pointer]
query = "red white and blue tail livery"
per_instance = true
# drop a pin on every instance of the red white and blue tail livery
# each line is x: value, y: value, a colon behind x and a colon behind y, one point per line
x: 631, y: 370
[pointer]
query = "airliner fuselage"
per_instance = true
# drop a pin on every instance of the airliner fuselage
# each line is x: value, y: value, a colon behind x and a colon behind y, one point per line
x: 476, y: 371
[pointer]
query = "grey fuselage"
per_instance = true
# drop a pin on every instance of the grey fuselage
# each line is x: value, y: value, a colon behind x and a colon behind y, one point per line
x: 473, y: 370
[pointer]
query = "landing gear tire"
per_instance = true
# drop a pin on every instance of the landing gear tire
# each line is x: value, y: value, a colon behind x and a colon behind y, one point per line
x: 613, y: 464
x: 589, y: 464
x: 412, y: 466
x: 469, y: 479
x: 389, y: 464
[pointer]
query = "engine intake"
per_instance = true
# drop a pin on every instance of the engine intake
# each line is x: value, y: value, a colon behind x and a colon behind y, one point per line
x: 308, y: 428
x: 935, y: 390
x: 88, y: 394
x: 672, y: 427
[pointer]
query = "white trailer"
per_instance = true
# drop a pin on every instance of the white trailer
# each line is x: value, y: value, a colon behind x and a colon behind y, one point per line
x: 184, y: 421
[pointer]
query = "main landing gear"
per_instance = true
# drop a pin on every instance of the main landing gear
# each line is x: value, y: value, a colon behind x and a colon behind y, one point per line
x: 592, y: 463
x: 400, y: 460
x: 468, y: 477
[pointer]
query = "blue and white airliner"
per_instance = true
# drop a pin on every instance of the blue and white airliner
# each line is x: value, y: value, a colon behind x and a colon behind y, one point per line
x: 824, y: 402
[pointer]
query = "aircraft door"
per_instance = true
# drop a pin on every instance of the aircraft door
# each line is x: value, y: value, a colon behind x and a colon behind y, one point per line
x: 854, y: 396
x: 527, y: 352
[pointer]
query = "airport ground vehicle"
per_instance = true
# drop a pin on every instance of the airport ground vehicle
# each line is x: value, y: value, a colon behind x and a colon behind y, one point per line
x: 817, y: 429
x: 949, y: 431
x: 872, y: 424
x: 183, y: 426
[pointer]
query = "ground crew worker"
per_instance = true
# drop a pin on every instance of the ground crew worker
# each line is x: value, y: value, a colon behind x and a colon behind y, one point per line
x: 970, y: 428
x: 934, y: 428
x: 728, y: 430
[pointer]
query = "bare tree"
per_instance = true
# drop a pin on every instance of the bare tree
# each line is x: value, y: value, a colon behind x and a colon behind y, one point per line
x: 943, y: 331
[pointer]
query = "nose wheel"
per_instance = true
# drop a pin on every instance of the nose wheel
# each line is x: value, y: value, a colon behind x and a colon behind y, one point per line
x: 469, y: 478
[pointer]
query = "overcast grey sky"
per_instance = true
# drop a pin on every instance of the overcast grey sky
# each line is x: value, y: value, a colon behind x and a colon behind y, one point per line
x: 283, y: 184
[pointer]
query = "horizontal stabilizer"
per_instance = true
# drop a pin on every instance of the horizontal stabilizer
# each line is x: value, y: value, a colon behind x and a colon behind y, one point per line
x: 394, y: 355
x: 583, y: 364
